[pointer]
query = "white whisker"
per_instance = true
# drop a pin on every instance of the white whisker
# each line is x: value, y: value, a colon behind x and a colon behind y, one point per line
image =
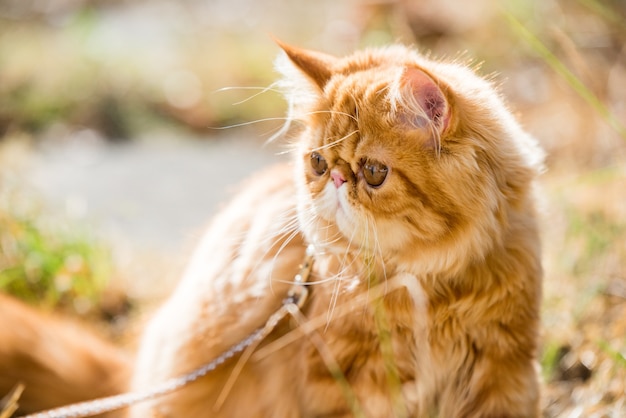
x: 332, y: 112
x: 332, y: 144
x: 377, y: 249
x: 271, y: 239
x: 252, y: 122
x: 339, y: 276
x: 262, y: 90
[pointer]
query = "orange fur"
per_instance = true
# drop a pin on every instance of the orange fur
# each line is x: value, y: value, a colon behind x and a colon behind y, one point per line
x: 453, y: 223
x: 57, y: 361
x: 415, y: 185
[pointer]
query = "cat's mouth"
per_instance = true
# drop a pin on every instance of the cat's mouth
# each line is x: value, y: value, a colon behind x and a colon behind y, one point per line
x: 340, y: 221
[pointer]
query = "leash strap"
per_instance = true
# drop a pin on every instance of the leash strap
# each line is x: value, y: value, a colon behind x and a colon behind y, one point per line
x: 296, y: 298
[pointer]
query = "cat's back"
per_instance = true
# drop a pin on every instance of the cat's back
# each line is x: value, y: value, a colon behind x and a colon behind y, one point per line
x: 237, y: 277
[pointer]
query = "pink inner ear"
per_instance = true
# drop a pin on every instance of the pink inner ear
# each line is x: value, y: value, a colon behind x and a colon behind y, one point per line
x: 428, y: 96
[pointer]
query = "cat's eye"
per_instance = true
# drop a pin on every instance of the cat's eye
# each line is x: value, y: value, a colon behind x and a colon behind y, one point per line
x: 374, y: 173
x: 318, y: 163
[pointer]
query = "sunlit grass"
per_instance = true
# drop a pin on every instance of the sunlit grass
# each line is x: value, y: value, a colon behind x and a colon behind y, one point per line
x: 47, y: 259
x: 562, y: 70
x: 585, y: 240
x: 584, y: 306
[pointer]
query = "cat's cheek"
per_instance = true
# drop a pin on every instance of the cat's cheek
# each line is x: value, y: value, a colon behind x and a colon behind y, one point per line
x: 345, y: 215
x: 392, y: 236
x: 334, y: 206
x: 345, y: 223
x: 326, y: 202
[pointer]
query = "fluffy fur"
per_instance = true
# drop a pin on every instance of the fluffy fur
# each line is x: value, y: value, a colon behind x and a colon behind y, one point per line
x: 58, y: 362
x: 415, y: 185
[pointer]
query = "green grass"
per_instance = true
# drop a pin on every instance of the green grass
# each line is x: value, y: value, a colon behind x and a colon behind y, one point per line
x: 550, y: 358
x: 618, y: 357
x: 49, y: 260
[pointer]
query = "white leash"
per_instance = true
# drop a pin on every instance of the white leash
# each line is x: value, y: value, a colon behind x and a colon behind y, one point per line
x: 295, y: 300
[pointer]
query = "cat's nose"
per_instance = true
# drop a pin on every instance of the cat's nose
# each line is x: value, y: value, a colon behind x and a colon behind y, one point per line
x: 338, y: 178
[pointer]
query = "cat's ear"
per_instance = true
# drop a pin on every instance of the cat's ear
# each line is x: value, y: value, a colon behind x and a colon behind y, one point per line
x: 315, y: 65
x: 423, y: 102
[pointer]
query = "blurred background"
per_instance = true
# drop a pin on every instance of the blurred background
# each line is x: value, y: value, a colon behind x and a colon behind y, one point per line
x: 125, y: 123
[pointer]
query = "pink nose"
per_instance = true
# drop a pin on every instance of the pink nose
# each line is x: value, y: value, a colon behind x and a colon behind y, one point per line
x: 338, y: 178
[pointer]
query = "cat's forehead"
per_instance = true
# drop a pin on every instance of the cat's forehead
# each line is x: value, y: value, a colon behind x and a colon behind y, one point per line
x: 366, y: 86
x: 360, y: 96
x: 358, y: 119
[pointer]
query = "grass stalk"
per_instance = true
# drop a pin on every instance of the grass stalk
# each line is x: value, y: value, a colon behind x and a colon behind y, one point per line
x: 574, y: 82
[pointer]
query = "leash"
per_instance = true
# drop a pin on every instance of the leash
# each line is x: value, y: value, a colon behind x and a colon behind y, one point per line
x: 296, y: 297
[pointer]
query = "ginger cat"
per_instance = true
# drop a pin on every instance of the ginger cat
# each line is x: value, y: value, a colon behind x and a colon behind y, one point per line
x: 414, y: 184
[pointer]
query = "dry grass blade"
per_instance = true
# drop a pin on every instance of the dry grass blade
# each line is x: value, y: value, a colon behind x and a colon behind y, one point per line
x: 575, y: 83
x: 9, y: 404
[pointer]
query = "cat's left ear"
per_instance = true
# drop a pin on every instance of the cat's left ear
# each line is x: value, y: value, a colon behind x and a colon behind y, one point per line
x: 315, y: 65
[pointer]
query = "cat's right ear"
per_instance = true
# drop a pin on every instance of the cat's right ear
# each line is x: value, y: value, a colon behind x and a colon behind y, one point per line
x: 420, y: 103
x: 317, y: 66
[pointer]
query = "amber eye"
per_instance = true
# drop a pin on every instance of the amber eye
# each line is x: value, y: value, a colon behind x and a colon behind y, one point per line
x: 318, y: 163
x: 374, y: 173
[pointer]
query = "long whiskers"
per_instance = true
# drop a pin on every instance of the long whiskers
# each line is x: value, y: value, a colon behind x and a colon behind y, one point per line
x: 333, y: 112
x: 338, y: 280
x: 338, y: 141
x: 363, y: 299
x: 376, y: 247
x: 282, y: 236
x: 252, y: 122
x: 275, y: 88
x: 261, y: 90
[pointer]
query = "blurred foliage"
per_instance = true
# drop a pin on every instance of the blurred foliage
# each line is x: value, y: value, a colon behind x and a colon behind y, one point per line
x: 81, y: 69
x: 584, y: 310
x: 124, y: 67
x: 561, y: 69
x: 47, y: 259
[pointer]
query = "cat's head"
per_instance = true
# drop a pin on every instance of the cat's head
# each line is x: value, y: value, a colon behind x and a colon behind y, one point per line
x: 404, y: 157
